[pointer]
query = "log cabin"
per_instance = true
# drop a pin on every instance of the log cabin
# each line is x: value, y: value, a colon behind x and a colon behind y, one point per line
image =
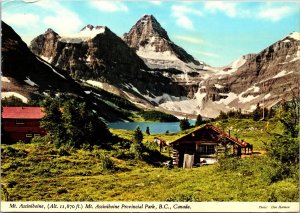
x: 206, y: 145
x: 21, y: 123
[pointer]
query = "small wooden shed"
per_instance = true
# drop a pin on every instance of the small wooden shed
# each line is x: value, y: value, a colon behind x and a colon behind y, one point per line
x: 206, y: 145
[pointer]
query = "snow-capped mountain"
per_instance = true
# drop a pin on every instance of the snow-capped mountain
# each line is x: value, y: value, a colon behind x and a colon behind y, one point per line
x: 153, y: 45
x: 100, y: 58
x: 148, y: 69
x: 265, y: 78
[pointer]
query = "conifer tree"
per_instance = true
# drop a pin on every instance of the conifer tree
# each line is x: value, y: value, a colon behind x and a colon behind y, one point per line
x: 199, y: 120
x: 148, y: 130
x: 184, y: 124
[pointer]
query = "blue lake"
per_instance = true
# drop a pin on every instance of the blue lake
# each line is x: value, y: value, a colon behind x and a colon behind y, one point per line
x: 155, y: 127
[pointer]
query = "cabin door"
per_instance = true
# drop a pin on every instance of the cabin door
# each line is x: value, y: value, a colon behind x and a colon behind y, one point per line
x: 188, y: 161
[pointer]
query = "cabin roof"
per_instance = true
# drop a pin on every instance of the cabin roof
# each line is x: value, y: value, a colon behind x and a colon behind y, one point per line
x: 217, y: 130
x: 23, y: 112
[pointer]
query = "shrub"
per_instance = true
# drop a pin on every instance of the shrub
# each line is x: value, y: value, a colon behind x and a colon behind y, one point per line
x: 63, y: 152
x: 284, y: 191
x: 231, y: 164
x: 62, y: 191
x: 137, y: 150
x: 39, y: 139
x: 151, y: 145
x: 12, y: 152
x: 107, y: 163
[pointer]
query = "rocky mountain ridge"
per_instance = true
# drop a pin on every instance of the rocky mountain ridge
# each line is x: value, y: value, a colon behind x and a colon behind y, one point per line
x: 267, y: 78
x: 174, y: 83
x: 98, y: 57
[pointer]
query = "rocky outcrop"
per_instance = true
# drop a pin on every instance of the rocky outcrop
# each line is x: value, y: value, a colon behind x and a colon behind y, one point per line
x: 45, y: 44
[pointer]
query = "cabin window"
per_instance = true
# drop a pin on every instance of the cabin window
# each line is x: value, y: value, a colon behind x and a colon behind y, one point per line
x: 29, y: 135
x: 36, y: 135
x: 207, y: 149
x: 19, y: 121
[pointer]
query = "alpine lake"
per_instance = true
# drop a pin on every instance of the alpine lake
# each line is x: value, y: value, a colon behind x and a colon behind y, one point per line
x: 155, y: 127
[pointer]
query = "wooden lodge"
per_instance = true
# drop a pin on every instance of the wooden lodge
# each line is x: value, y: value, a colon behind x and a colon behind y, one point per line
x: 21, y: 123
x: 205, y: 145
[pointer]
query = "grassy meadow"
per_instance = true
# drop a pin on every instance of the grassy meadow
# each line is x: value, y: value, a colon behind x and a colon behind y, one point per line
x: 41, y: 172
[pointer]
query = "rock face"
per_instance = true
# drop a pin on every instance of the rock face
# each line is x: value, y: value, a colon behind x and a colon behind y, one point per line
x: 266, y: 78
x: 153, y: 44
x: 99, y: 57
x: 24, y: 73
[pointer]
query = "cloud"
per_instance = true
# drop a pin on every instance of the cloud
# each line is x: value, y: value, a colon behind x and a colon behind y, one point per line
x: 109, y: 6
x: 182, y: 20
x: 178, y: 10
x: 61, y: 18
x: 155, y: 2
x: 189, y: 39
x: 209, y: 54
x: 229, y: 8
x: 275, y: 14
x: 21, y: 19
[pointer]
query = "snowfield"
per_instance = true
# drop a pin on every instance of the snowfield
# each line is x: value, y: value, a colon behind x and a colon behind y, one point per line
x: 84, y: 35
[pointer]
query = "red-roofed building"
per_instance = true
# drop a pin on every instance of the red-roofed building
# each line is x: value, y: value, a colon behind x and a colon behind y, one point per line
x: 22, y: 123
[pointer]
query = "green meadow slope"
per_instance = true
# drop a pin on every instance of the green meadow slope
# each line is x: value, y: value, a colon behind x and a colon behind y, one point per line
x: 41, y: 172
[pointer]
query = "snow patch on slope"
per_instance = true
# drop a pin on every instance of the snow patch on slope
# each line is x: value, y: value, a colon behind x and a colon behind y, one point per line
x: 297, y: 55
x: 218, y: 86
x: 15, y: 94
x: 230, y: 97
x: 247, y: 99
x: 51, y: 68
x: 267, y: 96
x: 48, y: 59
x: 233, y: 67
x: 282, y: 73
x: 95, y: 83
x: 30, y: 82
x: 5, y: 79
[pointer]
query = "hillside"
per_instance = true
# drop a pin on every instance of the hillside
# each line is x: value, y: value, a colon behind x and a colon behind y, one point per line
x: 40, y: 171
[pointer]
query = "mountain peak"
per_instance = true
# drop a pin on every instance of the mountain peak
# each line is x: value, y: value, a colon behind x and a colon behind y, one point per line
x: 90, y: 28
x: 294, y: 35
x: 151, y: 41
x: 145, y: 28
x: 50, y: 30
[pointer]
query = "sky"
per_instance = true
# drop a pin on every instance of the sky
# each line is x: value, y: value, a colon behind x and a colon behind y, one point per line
x: 215, y: 32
